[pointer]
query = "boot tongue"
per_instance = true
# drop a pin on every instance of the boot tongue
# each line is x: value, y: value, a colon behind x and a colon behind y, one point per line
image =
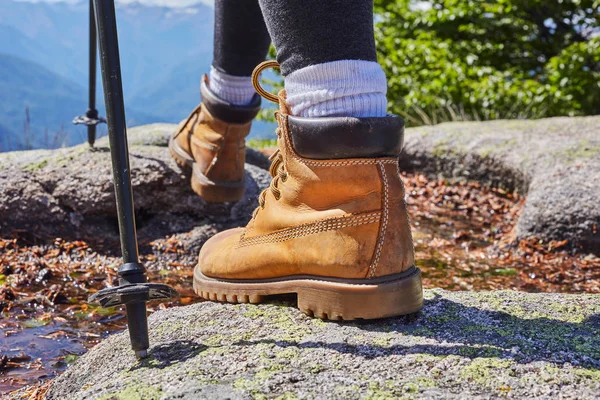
x: 284, y: 108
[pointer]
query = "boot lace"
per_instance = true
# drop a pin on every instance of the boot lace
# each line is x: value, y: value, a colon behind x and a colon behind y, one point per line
x: 277, y: 169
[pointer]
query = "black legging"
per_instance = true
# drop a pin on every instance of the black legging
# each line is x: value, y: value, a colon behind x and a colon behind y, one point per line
x: 304, y: 32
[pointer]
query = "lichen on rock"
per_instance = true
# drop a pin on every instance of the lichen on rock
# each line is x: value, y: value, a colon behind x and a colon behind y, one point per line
x: 488, y: 344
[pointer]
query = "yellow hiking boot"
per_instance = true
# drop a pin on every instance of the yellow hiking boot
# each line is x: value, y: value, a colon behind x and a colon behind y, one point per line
x: 332, y: 227
x: 211, y: 142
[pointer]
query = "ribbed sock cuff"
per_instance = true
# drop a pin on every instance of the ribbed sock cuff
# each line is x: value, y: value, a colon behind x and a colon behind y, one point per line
x: 345, y: 88
x: 237, y: 90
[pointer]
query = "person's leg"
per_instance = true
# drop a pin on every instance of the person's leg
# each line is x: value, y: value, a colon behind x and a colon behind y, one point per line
x: 241, y: 42
x: 333, y: 226
x: 326, y: 50
x: 211, y: 141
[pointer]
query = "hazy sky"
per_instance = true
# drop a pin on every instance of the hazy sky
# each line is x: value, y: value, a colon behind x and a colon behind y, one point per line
x: 162, y: 3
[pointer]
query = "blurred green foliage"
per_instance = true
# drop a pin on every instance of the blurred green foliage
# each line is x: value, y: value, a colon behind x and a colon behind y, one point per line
x: 259, y: 144
x: 477, y: 59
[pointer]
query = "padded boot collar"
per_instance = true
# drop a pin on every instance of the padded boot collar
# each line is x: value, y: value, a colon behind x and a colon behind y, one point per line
x: 225, y: 111
x: 346, y: 137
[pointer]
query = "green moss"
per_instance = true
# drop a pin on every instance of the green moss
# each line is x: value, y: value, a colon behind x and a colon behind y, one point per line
x: 424, y: 358
x: 410, y: 387
x: 318, y: 323
x: 484, y: 371
x: 570, y: 312
x: 468, y: 351
x: 441, y: 149
x: 254, y: 313
x: 268, y: 371
x: 591, y: 374
x: 476, y: 328
x: 216, y: 350
x: 346, y: 392
x: 288, y: 354
x: 377, y: 392
x: 450, y: 313
x: 423, y: 331
x: 282, y: 317
x: 74, y: 153
x: 487, y: 151
x: 242, y: 384
x: 214, y: 340
x: 168, y: 327
x: 35, y: 166
x: 316, y: 368
x: 71, y: 358
x: 256, y: 383
x: 423, y: 381
x: 551, y: 369
x: 382, y: 340
x: 490, y: 351
x: 141, y: 392
x: 582, y: 150
x: 287, y: 396
x: 249, y: 386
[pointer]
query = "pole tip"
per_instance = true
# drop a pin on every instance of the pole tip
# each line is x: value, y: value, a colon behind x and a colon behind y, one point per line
x: 139, y: 354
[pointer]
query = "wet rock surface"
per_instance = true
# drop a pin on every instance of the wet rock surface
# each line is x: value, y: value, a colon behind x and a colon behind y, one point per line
x: 555, y: 162
x: 69, y: 192
x: 463, y: 344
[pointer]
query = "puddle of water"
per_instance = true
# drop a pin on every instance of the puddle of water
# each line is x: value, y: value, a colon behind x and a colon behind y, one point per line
x: 39, y: 338
x: 44, y: 351
x: 458, y: 232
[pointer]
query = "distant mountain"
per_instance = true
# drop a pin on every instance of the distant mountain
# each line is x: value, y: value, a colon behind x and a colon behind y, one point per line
x: 164, y: 52
x: 152, y: 40
x: 5, y: 136
x: 173, y: 95
x: 51, y: 101
x: 14, y: 42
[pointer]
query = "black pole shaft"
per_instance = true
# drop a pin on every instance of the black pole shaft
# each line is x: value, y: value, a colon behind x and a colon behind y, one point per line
x: 117, y: 133
x: 131, y: 272
x: 93, y: 49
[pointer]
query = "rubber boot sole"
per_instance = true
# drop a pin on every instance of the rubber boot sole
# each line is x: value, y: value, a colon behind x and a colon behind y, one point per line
x: 332, y: 299
x: 209, y: 190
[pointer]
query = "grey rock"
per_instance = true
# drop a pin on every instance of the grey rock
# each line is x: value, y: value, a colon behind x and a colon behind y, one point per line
x: 69, y: 192
x: 555, y: 162
x: 462, y: 345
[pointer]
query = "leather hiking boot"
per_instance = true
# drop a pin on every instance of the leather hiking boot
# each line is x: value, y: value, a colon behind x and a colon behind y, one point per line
x: 211, y: 142
x: 332, y: 227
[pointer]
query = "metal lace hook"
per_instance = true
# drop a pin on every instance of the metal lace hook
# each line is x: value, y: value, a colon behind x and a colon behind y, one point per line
x: 256, y: 82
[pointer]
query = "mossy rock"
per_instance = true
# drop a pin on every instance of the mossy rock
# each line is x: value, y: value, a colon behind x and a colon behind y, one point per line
x: 553, y: 161
x: 462, y: 345
x: 69, y: 192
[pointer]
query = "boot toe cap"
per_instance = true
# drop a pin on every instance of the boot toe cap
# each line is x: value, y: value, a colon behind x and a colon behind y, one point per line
x: 214, y: 260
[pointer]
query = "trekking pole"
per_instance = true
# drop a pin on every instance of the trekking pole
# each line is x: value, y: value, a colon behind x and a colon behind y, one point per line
x: 133, y: 291
x: 91, y: 117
